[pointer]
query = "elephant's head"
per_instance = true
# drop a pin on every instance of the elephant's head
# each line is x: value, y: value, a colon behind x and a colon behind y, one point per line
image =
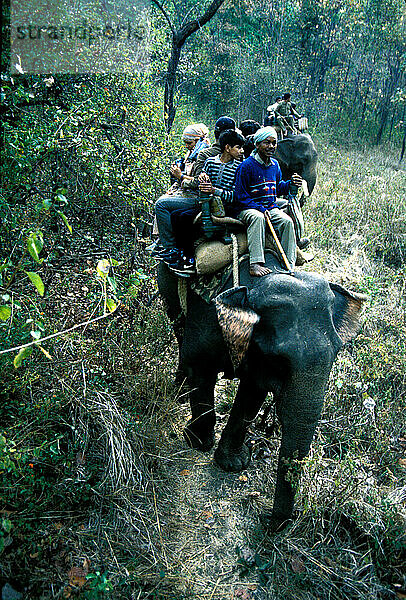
x: 300, y: 317
x: 298, y: 154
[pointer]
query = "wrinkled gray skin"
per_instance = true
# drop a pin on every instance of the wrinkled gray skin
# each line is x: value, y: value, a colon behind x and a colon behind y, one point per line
x: 298, y: 154
x: 303, y: 322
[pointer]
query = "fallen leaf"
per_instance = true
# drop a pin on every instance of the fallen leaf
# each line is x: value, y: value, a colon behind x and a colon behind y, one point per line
x: 80, y: 458
x: 243, y: 478
x: 185, y: 472
x: 86, y: 565
x: 67, y: 592
x: 77, y: 576
x: 297, y: 564
x: 402, y: 462
x: 206, y: 514
x: 243, y: 594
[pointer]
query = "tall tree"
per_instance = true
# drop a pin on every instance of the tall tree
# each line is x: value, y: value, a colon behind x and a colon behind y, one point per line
x: 180, y: 32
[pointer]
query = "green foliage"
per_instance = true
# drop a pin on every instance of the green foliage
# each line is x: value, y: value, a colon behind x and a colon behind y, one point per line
x: 100, y: 139
x: 9, y: 456
x: 80, y: 173
x: 98, y: 586
x: 5, y: 528
x: 22, y: 354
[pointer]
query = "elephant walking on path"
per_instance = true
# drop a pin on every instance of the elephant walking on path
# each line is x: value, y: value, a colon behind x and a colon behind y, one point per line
x: 277, y: 334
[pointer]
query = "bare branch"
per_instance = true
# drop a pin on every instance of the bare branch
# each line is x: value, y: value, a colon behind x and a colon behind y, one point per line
x: 165, y: 14
x: 58, y: 333
x: 192, y: 26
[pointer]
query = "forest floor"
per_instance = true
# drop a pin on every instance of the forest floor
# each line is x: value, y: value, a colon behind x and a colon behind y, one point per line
x: 122, y: 508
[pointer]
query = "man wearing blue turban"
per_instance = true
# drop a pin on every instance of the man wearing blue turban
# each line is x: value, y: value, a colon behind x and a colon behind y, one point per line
x: 258, y: 183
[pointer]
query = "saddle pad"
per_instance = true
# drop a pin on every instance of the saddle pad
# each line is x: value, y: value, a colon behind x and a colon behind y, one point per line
x: 214, y: 255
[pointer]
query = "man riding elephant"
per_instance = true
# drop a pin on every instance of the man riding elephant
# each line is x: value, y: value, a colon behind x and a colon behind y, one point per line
x: 284, y: 115
x: 258, y: 183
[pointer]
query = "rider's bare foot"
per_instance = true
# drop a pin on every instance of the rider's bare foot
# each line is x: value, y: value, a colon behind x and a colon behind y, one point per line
x: 258, y: 270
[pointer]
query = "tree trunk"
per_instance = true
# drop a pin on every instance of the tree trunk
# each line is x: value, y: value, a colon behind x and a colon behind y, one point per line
x: 390, y: 87
x: 364, y: 106
x: 402, y: 153
x: 382, y: 124
x: 179, y: 37
x: 170, y: 83
x: 391, y: 123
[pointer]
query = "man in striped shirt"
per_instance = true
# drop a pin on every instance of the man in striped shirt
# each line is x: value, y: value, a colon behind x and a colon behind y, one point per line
x: 258, y: 183
x: 218, y: 175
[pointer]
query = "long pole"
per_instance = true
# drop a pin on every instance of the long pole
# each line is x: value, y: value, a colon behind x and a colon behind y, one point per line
x: 286, y: 123
x: 278, y: 244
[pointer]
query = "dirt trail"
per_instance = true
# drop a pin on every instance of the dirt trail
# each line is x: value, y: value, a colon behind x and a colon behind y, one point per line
x: 208, y: 519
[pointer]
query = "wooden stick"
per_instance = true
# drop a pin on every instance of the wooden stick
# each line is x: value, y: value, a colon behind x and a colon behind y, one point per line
x: 278, y: 244
x: 287, y: 125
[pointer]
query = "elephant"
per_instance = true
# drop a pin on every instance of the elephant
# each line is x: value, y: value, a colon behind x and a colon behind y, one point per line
x: 298, y: 154
x: 277, y: 333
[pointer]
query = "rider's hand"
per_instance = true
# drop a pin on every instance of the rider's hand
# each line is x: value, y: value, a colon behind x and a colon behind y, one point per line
x: 206, y: 187
x: 204, y: 178
x: 296, y: 180
x: 175, y: 171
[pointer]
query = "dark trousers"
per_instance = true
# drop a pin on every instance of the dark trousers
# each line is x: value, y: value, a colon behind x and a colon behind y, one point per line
x: 184, y: 230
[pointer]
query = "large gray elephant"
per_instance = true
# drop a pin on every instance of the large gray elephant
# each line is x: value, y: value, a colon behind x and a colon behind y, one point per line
x: 298, y: 154
x: 278, y: 333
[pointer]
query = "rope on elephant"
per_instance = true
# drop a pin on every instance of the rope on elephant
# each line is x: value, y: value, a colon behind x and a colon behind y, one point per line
x: 182, y: 293
x: 236, y: 274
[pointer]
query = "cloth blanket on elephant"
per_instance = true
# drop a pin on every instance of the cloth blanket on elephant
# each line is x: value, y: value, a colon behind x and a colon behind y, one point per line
x: 213, y: 255
x: 210, y: 285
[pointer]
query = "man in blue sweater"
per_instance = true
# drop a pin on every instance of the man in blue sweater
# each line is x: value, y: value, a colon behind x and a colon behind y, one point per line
x: 258, y: 183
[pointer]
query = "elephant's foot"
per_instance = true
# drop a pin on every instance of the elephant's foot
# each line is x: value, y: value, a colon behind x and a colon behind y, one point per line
x: 273, y: 523
x: 232, y: 460
x: 197, y: 439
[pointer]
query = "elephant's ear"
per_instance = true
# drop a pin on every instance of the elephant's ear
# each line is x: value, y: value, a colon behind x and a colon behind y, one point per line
x: 346, y: 311
x: 236, y: 320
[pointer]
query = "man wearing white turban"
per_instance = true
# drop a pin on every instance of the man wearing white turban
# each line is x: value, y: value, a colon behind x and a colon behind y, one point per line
x: 195, y: 138
x: 258, y: 183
